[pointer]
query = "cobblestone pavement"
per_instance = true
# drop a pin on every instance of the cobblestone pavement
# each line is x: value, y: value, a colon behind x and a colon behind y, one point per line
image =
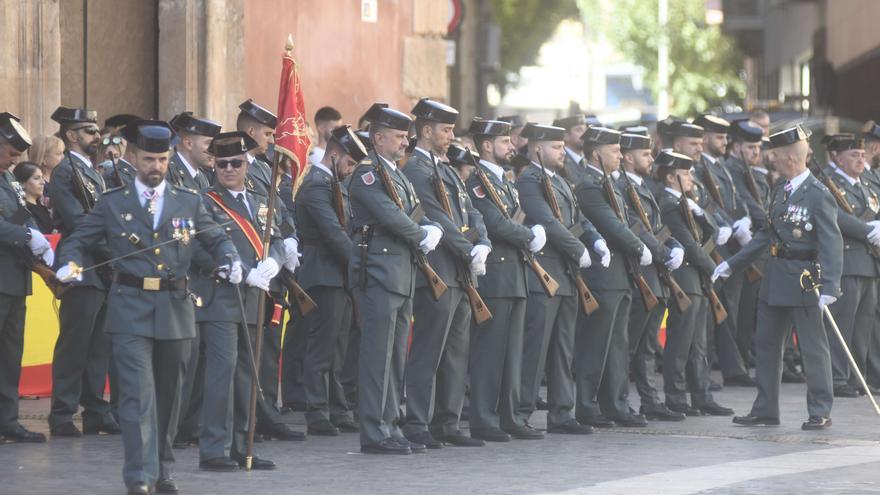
x: 700, y: 455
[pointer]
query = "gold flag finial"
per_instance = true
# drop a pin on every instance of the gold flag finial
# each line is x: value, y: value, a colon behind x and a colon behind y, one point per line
x: 288, y: 47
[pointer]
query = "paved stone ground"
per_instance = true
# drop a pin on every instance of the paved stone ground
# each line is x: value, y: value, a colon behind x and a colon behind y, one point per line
x: 705, y: 455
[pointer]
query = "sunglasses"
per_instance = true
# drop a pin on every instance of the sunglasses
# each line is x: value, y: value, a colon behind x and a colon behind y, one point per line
x: 91, y: 131
x: 107, y: 141
x: 229, y: 163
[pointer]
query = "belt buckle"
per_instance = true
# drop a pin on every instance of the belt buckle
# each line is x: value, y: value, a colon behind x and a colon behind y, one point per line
x: 152, y: 283
x: 774, y: 251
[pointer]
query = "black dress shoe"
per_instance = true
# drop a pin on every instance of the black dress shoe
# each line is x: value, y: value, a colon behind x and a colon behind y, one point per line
x: 845, y: 391
x: 20, y: 434
x: 739, y: 381
x: 386, y: 446
x: 108, y: 426
x: 138, y: 489
x: 424, y: 438
x: 571, y: 427
x: 414, y: 447
x: 683, y: 408
x: 750, y: 420
x: 459, y: 439
x: 65, y: 430
x: 181, y: 443
x: 257, y: 464
x: 348, y: 426
x: 816, y: 423
x: 490, y: 435
x: 323, y: 428
x: 296, y: 406
x: 659, y: 412
x: 524, y: 433
x: 713, y: 408
x: 631, y: 421
x: 282, y: 432
x: 542, y: 405
x: 219, y: 464
x: 793, y: 376
x: 596, y: 421
x: 166, y: 485
x: 714, y: 386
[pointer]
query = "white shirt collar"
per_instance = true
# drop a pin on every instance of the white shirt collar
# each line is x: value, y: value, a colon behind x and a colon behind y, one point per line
x: 250, y: 158
x: 317, y: 155
x: 761, y: 170
x: 140, y: 187
x: 577, y: 157
x: 321, y: 166
x: 709, y: 157
x: 635, y: 178
x: 597, y: 169
x: 427, y: 154
x: 846, y: 176
x: 549, y: 172
x: 192, y: 171
x: 673, y: 192
x: 495, y: 169
x: 797, y: 181
x: 82, y: 158
x: 388, y: 162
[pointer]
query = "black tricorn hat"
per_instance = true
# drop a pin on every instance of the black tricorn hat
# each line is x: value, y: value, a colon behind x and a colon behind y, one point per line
x: 600, y: 135
x: 671, y: 160
x: 13, y: 133
x: 571, y: 121
x: 120, y: 120
x: 187, y: 122
x: 871, y: 130
x: 843, y: 142
x: 712, y: 123
x: 788, y: 136
x: 389, y: 117
x: 635, y: 129
x: 685, y: 129
x: 234, y: 143
x: 259, y: 113
x: 154, y: 136
x: 744, y: 130
x: 634, y: 142
x: 664, y: 127
x: 364, y: 136
x: 540, y: 132
x: 350, y: 143
x: 515, y: 121
x: 64, y: 115
x: 429, y: 109
x: 459, y: 156
x: 480, y: 127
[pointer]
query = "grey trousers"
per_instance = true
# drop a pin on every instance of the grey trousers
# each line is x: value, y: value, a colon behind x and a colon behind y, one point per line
x: 327, y: 328
x: 12, y: 314
x: 220, y: 341
x: 685, y: 363
x: 854, y: 313
x: 643, y: 329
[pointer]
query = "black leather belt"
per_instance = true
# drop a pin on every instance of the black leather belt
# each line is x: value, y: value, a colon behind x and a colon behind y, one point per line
x: 792, y: 254
x: 150, y: 283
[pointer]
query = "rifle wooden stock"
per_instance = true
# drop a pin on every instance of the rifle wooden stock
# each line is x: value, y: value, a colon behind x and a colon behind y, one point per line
x: 48, y: 275
x: 338, y: 201
x: 588, y: 302
x: 548, y: 283
x: 438, y: 286
x: 304, y: 302
x: 712, y: 186
x: 649, y: 300
x: 79, y: 187
x: 682, y: 301
x: 718, y: 311
x: 753, y: 274
x: 479, y: 310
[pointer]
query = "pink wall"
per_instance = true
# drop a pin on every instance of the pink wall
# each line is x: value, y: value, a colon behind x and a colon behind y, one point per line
x: 343, y: 62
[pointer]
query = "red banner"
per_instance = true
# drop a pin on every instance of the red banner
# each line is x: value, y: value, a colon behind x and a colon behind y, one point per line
x: 291, y: 134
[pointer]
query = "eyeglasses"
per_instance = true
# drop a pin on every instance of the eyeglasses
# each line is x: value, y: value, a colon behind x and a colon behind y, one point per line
x: 90, y: 130
x: 107, y: 141
x: 237, y: 163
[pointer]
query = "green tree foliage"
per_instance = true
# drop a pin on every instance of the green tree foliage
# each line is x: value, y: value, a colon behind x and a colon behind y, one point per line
x: 704, y: 64
x: 525, y: 26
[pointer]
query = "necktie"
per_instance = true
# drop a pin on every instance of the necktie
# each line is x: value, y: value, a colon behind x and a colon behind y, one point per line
x: 787, y: 190
x: 151, y: 197
x: 240, y: 198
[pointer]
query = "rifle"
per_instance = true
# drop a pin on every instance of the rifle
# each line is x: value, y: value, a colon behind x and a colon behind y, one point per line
x: 548, y: 283
x: 35, y: 263
x: 752, y: 272
x: 438, y: 286
x: 338, y: 202
x: 714, y: 189
x: 478, y: 308
x: 117, y: 176
x: 304, y: 302
x: 86, y: 200
x: 718, y: 311
x: 649, y: 300
x: 588, y: 302
x: 682, y: 301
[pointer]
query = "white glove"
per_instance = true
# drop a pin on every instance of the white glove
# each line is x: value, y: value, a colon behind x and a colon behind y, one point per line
x: 432, y: 238
x: 479, y: 253
x: 478, y: 269
x: 676, y: 257
x: 38, y: 242
x: 256, y: 278
x: 646, y: 258
x: 723, y: 235
x: 743, y: 236
x: 268, y: 268
x: 873, y: 235
x: 723, y: 270
x: 585, y: 261
x: 695, y: 207
x: 231, y: 274
x: 63, y: 274
x: 49, y: 257
x: 540, y: 238
x: 826, y: 301
x: 291, y: 254
x: 743, y: 223
x: 601, y: 248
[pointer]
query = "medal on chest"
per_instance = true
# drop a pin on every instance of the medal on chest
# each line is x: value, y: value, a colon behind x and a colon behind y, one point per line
x: 19, y: 193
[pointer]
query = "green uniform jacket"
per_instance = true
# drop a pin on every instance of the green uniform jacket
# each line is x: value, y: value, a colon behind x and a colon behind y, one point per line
x: 697, y: 262
x: 857, y: 257
x: 13, y: 241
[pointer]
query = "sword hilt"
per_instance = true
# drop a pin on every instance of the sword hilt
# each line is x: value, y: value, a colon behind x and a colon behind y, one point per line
x: 807, y: 282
